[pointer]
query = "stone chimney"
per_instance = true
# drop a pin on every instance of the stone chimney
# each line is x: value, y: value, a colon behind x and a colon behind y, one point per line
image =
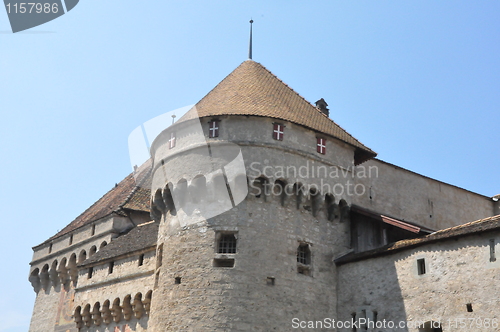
x: 496, y: 204
x: 322, y: 105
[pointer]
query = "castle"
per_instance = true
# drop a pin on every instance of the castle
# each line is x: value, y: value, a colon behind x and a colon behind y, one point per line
x: 257, y: 212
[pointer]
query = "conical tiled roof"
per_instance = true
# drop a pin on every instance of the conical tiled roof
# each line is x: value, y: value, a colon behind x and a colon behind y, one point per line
x: 251, y: 89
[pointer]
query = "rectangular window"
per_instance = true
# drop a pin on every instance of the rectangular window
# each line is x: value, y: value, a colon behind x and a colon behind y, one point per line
x: 171, y: 141
x: 304, y: 259
x: 303, y: 254
x: 493, y: 257
x: 226, y: 243
x: 92, y: 232
x: 278, y: 131
x: 141, y: 260
x: 321, y: 145
x: 421, y: 266
x: 91, y: 272
x: 71, y: 239
x: 50, y: 248
x: 213, y: 128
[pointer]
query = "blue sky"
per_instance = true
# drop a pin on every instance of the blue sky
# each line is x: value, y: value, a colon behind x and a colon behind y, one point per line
x: 416, y: 81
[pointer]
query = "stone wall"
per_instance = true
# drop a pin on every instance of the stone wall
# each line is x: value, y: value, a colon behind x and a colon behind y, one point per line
x: 409, y: 196
x: 263, y: 291
x: 457, y: 272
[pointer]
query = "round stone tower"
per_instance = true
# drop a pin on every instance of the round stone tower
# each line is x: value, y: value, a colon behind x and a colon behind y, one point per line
x: 251, y: 188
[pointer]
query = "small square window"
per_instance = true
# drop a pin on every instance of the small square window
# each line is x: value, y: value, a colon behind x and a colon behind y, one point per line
x: 226, y: 243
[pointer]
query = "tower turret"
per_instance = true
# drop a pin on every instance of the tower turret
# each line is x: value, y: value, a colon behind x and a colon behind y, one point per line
x: 250, y: 219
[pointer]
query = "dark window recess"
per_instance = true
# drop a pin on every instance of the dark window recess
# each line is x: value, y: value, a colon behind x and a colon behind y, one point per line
x: 223, y: 262
x: 469, y: 307
x: 71, y: 239
x: 50, y: 248
x: 270, y: 281
x: 177, y: 280
x: 111, y: 267
x: 213, y: 129
x: 91, y: 272
x: 141, y: 260
x: 421, y: 266
x: 493, y: 257
x: 227, y: 244
x: 304, y: 254
x: 92, y: 232
x: 278, y: 131
x: 304, y: 259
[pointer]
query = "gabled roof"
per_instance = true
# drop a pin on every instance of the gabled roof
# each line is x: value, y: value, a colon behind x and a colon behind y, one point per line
x: 139, y: 238
x: 251, y: 89
x: 125, y: 195
x: 470, y: 228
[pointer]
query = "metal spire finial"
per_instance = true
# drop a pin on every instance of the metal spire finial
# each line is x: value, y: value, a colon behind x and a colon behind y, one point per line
x: 250, y: 46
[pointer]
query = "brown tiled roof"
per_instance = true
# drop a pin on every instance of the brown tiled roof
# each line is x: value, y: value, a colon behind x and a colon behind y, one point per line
x: 138, y: 238
x: 251, y: 89
x: 125, y: 195
x: 474, y: 227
